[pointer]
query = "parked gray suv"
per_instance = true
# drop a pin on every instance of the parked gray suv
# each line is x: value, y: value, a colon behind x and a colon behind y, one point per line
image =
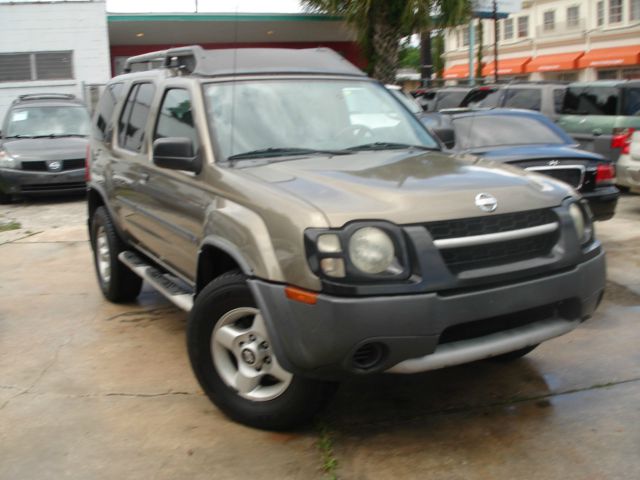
x: 314, y: 229
x: 43, y: 146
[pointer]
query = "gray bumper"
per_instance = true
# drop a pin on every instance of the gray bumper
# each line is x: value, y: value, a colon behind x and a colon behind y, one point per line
x: 17, y: 182
x: 321, y: 339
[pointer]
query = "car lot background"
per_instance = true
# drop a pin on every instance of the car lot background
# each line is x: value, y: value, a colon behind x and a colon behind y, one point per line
x: 94, y: 390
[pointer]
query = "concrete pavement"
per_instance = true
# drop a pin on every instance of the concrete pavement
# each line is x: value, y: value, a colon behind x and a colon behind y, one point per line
x: 94, y: 390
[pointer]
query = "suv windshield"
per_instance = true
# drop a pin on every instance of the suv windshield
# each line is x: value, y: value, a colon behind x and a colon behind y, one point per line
x: 286, y: 117
x: 502, y: 130
x: 58, y: 121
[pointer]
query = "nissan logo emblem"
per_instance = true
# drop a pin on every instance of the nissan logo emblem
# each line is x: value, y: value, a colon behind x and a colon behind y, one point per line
x: 486, y: 202
x: 55, y: 166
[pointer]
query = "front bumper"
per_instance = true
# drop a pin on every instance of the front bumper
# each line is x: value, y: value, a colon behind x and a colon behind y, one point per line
x: 21, y: 182
x: 320, y: 340
x: 602, y: 202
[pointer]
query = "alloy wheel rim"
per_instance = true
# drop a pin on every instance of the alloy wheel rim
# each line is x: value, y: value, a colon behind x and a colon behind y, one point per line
x: 103, y: 255
x: 243, y: 357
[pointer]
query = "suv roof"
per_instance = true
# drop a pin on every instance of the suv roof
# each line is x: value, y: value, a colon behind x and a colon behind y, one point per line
x: 245, y: 61
x: 607, y: 83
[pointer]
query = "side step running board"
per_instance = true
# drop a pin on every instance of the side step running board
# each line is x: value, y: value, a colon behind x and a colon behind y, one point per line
x: 165, y: 283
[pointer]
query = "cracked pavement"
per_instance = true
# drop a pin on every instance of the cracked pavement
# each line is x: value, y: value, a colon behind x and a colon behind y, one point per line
x: 94, y: 390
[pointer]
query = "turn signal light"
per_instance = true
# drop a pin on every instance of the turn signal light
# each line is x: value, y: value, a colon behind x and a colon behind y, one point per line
x: 605, y: 173
x: 300, y: 295
x: 622, y: 139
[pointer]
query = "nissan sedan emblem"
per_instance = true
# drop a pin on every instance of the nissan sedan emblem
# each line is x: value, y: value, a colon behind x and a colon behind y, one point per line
x: 55, y: 166
x: 486, y: 202
x: 553, y: 163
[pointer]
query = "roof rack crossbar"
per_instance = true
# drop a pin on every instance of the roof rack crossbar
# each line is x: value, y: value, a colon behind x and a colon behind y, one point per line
x: 179, y: 57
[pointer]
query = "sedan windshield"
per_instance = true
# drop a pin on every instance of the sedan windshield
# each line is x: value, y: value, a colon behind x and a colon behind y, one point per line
x: 268, y: 118
x: 480, y: 131
x: 60, y: 121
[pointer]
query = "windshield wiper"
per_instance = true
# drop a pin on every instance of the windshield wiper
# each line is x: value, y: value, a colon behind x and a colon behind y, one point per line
x: 18, y: 136
x: 58, y: 135
x: 389, y: 146
x: 282, y: 151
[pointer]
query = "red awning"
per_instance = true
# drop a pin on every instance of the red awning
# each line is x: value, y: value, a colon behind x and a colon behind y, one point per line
x: 456, y: 71
x: 554, y: 63
x: 507, y: 66
x: 611, y: 57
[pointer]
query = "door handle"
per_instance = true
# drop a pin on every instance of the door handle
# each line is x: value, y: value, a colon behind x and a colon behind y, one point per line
x: 597, y: 131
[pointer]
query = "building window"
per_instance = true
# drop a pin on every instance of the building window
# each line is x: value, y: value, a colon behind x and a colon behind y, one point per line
x: 600, y: 13
x: 634, y: 10
x: 573, y: 16
x: 615, y: 11
x: 549, y: 21
x: 523, y: 27
x: 17, y: 67
x: 607, y: 74
x: 465, y: 36
x: 508, y: 28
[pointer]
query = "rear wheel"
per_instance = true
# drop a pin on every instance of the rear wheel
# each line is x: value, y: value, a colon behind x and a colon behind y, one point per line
x: 232, y: 357
x: 117, y: 282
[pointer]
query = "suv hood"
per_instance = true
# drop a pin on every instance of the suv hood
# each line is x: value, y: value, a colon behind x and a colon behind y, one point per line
x: 25, y: 149
x: 407, y: 187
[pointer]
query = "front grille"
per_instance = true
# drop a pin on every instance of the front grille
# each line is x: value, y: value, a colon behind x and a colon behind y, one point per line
x: 41, y: 165
x: 490, y: 254
x: 51, y: 187
x: 572, y: 176
x: 499, y: 253
x: 467, y: 227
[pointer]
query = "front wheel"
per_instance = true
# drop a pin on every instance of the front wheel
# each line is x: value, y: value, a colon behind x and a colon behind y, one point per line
x: 232, y: 357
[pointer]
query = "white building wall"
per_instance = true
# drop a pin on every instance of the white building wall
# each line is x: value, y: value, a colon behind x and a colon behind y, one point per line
x: 586, y: 36
x: 79, y: 26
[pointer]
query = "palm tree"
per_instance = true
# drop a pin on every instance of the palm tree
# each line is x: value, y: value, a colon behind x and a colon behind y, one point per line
x: 380, y: 24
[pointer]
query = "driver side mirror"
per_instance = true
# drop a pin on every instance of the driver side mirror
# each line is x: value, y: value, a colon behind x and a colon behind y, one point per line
x: 176, y: 153
x: 446, y: 136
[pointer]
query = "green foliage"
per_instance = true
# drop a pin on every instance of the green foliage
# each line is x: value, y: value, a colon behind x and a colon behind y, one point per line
x: 479, y: 40
x: 437, y: 49
x: 409, y: 57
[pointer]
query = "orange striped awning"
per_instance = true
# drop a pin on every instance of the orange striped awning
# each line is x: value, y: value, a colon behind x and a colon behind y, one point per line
x: 507, y: 66
x: 611, y: 57
x: 456, y: 71
x: 554, y: 63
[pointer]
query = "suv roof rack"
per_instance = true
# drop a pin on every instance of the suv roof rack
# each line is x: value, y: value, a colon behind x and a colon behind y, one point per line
x: 242, y: 61
x: 47, y: 96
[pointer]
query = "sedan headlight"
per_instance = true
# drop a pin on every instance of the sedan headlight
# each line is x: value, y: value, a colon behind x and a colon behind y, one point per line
x: 371, y: 250
x: 6, y: 160
x: 581, y: 222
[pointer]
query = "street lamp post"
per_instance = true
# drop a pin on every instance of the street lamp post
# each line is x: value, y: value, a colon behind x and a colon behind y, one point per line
x: 495, y: 39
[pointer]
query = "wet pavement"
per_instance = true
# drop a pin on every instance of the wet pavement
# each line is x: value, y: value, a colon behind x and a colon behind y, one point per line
x: 94, y: 390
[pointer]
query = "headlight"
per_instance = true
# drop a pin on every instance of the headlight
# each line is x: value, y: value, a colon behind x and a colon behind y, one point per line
x: 371, y: 250
x: 6, y: 160
x: 581, y: 222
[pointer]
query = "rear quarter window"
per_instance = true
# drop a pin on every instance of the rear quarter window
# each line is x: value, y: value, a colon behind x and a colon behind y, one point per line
x: 631, y: 104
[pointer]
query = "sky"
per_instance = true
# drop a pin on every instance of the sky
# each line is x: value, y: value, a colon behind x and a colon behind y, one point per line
x: 218, y: 6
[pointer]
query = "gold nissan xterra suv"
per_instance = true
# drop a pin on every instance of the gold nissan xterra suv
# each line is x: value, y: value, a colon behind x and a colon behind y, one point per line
x: 314, y: 230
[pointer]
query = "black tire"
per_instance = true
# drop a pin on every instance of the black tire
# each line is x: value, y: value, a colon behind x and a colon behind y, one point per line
x: 4, y: 198
x: 296, y: 405
x: 511, y: 356
x: 122, y: 285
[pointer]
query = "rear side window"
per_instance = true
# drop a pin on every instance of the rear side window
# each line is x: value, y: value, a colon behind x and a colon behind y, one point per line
x: 526, y: 98
x: 591, y: 101
x: 449, y: 99
x: 110, y: 97
x: 631, y: 102
x: 134, y: 117
x: 176, y: 117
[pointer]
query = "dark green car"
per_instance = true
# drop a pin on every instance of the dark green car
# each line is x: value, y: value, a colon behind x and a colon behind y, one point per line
x: 602, y: 115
